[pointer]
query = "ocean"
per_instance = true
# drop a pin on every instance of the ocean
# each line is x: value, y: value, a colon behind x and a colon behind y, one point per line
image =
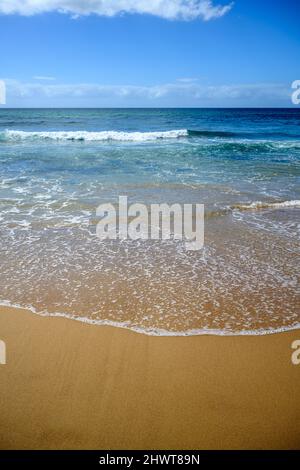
x: 58, y: 165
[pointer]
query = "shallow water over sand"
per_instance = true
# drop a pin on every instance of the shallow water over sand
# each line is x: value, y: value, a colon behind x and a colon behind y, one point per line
x: 238, y: 163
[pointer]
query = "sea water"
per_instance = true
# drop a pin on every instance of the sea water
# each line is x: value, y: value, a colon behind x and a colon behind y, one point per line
x: 58, y: 165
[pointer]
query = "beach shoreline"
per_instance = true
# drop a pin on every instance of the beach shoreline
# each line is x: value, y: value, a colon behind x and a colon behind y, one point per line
x: 69, y: 385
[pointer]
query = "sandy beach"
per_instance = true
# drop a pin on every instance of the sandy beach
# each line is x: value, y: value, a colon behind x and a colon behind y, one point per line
x: 69, y: 385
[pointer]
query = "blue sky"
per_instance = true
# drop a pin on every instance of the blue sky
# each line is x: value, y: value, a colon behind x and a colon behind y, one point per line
x: 149, y: 52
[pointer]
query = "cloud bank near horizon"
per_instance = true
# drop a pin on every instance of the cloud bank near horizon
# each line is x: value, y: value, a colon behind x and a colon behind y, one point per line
x: 167, y: 9
x: 180, y: 93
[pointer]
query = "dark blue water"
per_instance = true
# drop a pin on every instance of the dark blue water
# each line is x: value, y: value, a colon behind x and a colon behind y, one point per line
x: 264, y: 123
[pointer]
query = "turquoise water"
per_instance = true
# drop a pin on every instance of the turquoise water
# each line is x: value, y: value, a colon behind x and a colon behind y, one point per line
x: 57, y: 166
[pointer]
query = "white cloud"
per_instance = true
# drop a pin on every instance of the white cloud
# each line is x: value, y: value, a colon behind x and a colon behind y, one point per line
x: 187, y: 80
x: 42, y: 77
x: 169, y: 9
x: 168, y: 94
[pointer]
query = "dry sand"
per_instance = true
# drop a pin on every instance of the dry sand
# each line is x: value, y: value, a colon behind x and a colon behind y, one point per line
x: 71, y: 385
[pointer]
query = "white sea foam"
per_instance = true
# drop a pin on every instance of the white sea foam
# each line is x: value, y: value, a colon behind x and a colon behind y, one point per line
x: 155, y: 331
x: 267, y: 205
x: 96, y: 136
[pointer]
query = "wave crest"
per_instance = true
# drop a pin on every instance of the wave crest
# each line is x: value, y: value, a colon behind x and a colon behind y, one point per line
x: 216, y: 139
x: 266, y: 205
x: 11, y: 135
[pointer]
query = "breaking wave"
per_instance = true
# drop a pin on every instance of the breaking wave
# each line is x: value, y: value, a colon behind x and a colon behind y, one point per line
x: 266, y: 205
x: 11, y: 135
x: 221, y: 139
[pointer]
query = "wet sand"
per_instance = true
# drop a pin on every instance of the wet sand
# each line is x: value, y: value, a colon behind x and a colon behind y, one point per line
x: 69, y: 385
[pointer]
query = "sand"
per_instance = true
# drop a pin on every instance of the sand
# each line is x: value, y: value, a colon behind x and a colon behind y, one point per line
x: 69, y: 385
